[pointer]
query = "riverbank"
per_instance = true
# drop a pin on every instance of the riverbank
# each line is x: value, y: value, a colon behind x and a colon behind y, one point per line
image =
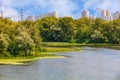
x: 65, y: 45
x: 24, y: 60
x: 49, y: 51
x: 109, y: 46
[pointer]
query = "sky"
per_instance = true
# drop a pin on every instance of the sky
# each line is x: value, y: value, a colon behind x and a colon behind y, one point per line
x: 73, y: 8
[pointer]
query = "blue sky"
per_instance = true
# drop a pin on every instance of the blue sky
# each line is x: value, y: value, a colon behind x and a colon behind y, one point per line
x: 73, y: 8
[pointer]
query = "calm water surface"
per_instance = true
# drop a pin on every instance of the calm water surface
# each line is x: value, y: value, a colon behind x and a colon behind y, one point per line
x: 88, y: 64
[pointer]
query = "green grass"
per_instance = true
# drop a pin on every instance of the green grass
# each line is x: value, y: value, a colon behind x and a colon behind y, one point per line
x: 73, y: 45
x: 61, y: 44
x: 61, y: 49
x: 25, y: 60
x: 48, y: 53
x: 110, y: 46
x: 50, y: 48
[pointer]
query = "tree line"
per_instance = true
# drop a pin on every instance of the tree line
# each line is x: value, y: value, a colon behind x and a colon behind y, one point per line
x: 82, y: 30
x: 23, y: 38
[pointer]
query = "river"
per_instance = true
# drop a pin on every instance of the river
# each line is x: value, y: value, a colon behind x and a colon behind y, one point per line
x: 87, y: 64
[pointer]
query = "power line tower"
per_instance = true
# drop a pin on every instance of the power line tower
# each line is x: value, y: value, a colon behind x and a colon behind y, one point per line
x: 21, y: 14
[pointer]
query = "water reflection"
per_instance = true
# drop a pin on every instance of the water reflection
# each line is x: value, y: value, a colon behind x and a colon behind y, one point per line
x: 88, y: 64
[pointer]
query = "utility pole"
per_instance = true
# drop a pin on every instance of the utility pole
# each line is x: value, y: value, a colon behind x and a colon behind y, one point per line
x: 21, y: 14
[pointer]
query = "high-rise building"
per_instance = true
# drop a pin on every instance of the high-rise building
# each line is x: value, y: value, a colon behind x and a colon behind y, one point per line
x: 107, y: 12
x: 103, y: 13
x: 54, y: 14
x: 106, y: 15
x: 30, y: 18
x: 116, y: 15
x: 85, y: 13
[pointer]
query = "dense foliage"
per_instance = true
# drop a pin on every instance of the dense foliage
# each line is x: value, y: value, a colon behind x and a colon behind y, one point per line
x: 19, y: 38
x: 24, y: 38
x: 82, y: 30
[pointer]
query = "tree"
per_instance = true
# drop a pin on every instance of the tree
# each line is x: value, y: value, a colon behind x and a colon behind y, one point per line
x: 23, y: 45
x: 48, y: 29
x: 32, y: 29
x: 83, y: 34
x: 97, y: 37
x: 67, y: 29
x: 4, y: 43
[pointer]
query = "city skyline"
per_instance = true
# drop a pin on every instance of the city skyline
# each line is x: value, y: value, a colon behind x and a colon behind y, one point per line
x: 104, y: 14
x: 71, y: 8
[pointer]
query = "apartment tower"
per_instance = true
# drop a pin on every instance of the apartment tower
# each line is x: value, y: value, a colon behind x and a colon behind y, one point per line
x: 85, y: 13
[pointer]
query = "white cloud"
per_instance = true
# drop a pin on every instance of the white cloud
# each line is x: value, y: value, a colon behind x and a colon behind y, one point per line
x: 6, y: 3
x: 113, y: 5
x: 63, y: 7
x: 9, y: 12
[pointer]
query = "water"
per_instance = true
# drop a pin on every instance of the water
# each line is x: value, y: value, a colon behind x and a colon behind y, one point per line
x: 88, y: 64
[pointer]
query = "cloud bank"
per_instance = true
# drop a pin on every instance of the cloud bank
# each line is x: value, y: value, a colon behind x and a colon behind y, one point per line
x: 62, y: 7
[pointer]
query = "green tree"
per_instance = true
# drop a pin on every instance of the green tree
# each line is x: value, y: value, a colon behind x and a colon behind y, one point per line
x: 48, y: 29
x: 113, y: 31
x: 83, y: 34
x: 32, y: 29
x: 67, y: 29
x: 4, y: 43
x: 83, y: 30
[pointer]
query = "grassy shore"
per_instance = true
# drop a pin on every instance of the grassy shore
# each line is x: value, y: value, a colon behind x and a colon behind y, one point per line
x: 65, y: 45
x: 61, y: 49
x: 24, y: 60
x: 27, y: 60
x: 110, y: 46
x: 61, y: 44
x: 49, y: 52
x: 50, y: 48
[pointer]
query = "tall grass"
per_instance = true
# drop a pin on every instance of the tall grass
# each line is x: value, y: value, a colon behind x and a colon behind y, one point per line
x: 61, y: 44
x: 61, y: 49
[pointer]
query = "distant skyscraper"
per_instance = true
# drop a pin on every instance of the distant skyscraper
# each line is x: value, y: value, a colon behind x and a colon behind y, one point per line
x: 116, y: 15
x: 106, y: 15
x: 107, y: 12
x: 85, y: 13
x: 54, y: 14
x: 92, y: 17
x: 30, y: 18
x: 103, y: 13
